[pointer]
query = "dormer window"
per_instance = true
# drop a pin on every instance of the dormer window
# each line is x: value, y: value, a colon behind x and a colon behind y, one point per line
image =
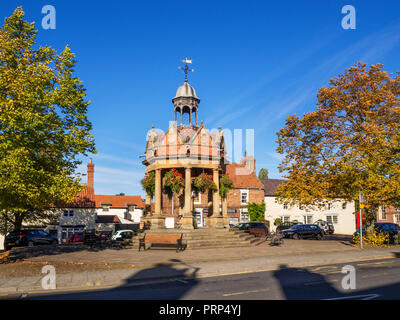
x: 132, y: 207
x: 106, y: 207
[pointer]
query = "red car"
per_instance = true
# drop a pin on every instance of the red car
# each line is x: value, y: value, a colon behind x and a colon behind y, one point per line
x: 76, y: 237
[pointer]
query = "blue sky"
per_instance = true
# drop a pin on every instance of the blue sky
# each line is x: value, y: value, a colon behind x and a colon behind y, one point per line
x: 256, y: 62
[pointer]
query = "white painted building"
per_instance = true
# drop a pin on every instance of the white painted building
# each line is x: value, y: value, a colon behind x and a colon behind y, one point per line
x: 339, y: 212
x: 100, y: 212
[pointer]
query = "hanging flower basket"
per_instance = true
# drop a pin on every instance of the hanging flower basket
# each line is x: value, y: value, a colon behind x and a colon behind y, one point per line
x: 174, y: 181
x: 203, y: 182
x: 225, y: 184
x: 149, y: 183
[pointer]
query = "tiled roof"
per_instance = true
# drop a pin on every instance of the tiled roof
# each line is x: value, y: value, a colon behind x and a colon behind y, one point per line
x: 119, y: 201
x: 107, y: 219
x: 84, y: 199
x: 270, y: 186
x: 241, y: 176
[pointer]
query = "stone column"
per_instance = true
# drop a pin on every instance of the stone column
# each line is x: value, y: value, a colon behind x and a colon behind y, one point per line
x: 148, y: 202
x: 187, y: 222
x: 157, y: 221
x: 181, y: 115
x: 146, y: 217
x: 216, y: 213
x: 196, y: 117
x: 225, y: 218
x: 157, y: 192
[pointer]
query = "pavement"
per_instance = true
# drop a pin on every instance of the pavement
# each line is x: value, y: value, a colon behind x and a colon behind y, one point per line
x: 155, y: 266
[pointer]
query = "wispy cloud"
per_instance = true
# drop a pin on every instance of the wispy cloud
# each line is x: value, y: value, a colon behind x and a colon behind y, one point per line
x: 112, y: 181
x: 237, y: 102
x: 370, y: 48
x: 130, y: 145
x: 116, y: 159
x: 276, y: 156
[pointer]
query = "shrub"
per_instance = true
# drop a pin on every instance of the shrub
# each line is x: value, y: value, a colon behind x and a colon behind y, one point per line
x: 372, y: 237
x: 256, y: 211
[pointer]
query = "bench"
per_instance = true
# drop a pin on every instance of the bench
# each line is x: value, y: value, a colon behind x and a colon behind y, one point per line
x: 258, y: 232
x: 162, y: 240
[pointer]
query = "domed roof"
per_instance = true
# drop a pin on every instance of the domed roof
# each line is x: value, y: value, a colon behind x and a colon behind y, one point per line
x: 185, y: 90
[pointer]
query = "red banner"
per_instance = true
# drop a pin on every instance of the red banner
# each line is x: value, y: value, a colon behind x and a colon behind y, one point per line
x: 358, y: 219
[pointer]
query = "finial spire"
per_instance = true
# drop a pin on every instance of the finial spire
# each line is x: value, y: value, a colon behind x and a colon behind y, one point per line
x: 186, y: 68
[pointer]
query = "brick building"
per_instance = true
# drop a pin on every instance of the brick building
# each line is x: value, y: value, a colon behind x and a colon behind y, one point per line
x: 248, y: 189
x: 388, y: 214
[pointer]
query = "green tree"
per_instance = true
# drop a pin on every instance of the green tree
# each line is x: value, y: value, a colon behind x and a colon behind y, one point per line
x: 43, y: 124
x: 256, y: 211
x: 349, y: 144
x: 263, y: 174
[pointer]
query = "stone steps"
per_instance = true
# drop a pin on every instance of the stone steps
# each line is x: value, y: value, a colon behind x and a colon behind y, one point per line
x: 208, y: 238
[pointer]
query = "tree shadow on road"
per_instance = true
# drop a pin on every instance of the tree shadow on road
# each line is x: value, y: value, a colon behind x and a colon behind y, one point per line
x: 164, y: 281
x: 302, y: 284
x: 23, y: 253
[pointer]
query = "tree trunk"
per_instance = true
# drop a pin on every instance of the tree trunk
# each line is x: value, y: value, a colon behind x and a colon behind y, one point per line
x: 19, y: 218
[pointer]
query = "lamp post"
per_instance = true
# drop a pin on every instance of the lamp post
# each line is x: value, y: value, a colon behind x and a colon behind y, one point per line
x: 361, y: 201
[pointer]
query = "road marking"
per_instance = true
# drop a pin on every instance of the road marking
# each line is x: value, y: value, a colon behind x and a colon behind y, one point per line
x: 210, y: 275
x: 244, y: 292
x: 324, y: 267
x: 361, y: 297
x: 183, y: 281
x: 374, y: 263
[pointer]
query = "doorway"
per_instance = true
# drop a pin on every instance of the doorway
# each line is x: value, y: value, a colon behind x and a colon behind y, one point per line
x: 198, y: 217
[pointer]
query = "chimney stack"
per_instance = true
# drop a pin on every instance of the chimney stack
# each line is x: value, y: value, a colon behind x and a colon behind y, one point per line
x: 249, y: 162
x: 90, y: 174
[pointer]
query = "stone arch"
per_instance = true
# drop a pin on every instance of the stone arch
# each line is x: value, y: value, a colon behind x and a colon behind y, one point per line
x: 178, y: 110
x: 187, y: 110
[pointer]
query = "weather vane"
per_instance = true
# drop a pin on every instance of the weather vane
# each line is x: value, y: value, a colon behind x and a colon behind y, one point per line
x: 186, y: 68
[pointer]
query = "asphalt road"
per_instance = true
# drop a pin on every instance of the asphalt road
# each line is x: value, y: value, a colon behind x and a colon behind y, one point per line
x: 376, y: 279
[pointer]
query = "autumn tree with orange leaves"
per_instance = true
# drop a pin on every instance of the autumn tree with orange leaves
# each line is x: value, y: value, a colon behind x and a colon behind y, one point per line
x: 349, y: 144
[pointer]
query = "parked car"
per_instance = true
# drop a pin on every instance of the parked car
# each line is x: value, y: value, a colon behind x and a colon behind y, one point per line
x: 75, y: 238
x: 254, y: 227
x: 326, y: 226
x: 29, y: 237
x: 123, y: 234
x: 286, y: 225
x: 304, y: 231
x: 389, y: 228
